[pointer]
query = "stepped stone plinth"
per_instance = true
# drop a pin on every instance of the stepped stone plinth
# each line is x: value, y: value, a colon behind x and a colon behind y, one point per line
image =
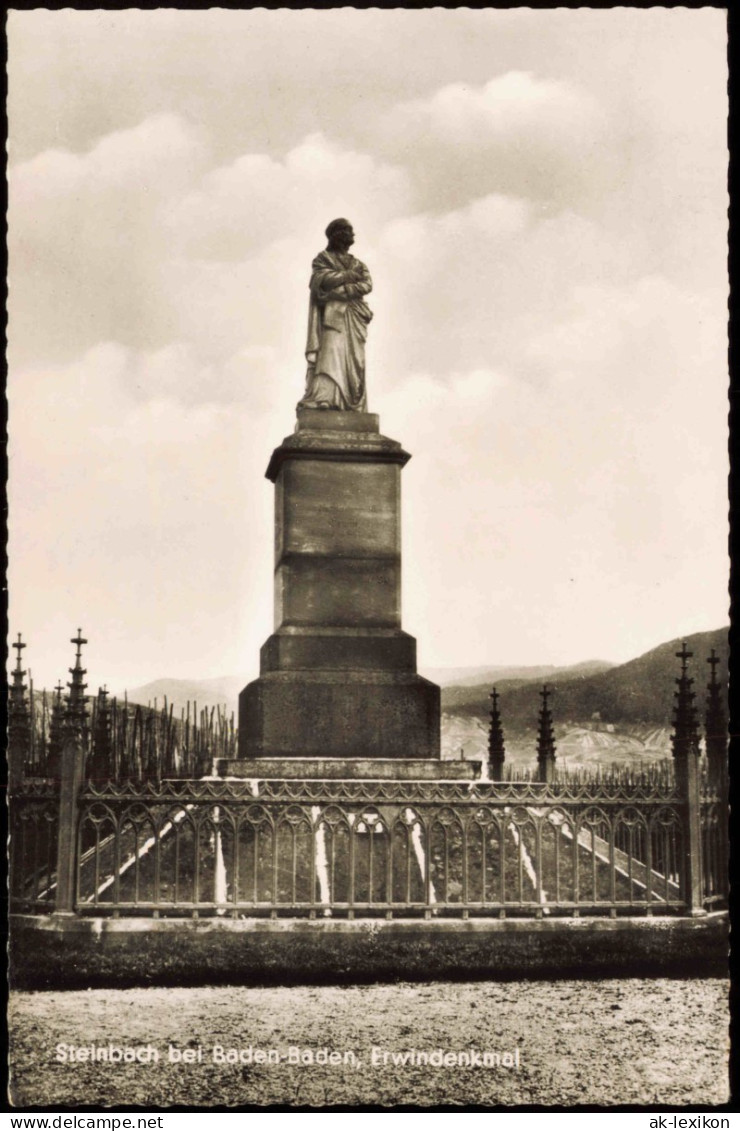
x: 338, y: 675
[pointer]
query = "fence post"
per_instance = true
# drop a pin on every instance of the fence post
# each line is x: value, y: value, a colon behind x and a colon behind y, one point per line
x: 685, y: 744
x: 16, y: 775
x: 723, y: 807
x: 71, y: 773
x: 692, y: 877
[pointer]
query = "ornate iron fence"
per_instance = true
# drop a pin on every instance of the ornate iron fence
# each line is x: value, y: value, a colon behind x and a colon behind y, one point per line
x: 33, y: 846
x: 363, y: 849
x: 714, y: 848
x: 383, y: 848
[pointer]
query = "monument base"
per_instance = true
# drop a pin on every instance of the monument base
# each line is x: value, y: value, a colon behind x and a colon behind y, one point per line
x: 339, y: 714
x: 338, y: 675
x: 349, y: 769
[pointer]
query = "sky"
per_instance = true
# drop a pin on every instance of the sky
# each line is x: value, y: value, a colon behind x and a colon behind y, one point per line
x: 540, y: 197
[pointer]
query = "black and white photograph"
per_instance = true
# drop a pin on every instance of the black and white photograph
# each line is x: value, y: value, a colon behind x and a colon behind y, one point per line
x: 368, y: 558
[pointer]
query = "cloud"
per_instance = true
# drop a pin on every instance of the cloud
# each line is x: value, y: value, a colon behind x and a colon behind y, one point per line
x: 512, y: 107
x: 151, y: 159
x: 647, y: 338
x: 140, y: 242
x: 578, y: 507
x: 472, y: 287
x: 240, y: 208
x: 493, y: 217
x: 516, y: 134
x: 569, y: 505
x: 547, y: 243
x: 441, y: 272
x: 124, y: 507
x: 200, y: 274
x: 143, y: 242
x: 86, y: 239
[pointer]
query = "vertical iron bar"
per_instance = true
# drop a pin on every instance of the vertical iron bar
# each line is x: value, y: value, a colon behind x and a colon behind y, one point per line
x: 157, y: 861
x: 445, y: 833
x: 557, y: 830
x: 117, y: 859
x: 35, y: 884
x: 97, y: 864
x: 371, y: 849
x: 576, y: 872
x: 176, y: 892
x: 352, y: 857
x: 465, y: 893
x: 294, y: 864
x: 256, y: 843
x: 136, y: 862
x: 237, y: 833
x: 521, y: 866
x: 315, y: 896
x: 196, y: 862
x: 427, y: 865
x: 275, y: 881
x: 408, y: 842
x: 594, y: 886
x: 538, y: 860
x: 668, y: 859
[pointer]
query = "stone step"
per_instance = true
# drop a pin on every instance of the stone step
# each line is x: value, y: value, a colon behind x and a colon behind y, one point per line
x: 366, y: 769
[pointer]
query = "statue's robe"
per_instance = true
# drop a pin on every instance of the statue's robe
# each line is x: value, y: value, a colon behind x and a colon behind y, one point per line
x: 337, y: 331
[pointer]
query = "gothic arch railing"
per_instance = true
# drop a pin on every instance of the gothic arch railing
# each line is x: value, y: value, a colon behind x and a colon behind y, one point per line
x: 354, y: 848
x: 34, y: 829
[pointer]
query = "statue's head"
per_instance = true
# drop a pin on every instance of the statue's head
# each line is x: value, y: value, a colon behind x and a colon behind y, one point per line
x: 340, y: 235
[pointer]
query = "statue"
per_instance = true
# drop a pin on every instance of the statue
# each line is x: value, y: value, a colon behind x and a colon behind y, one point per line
x: 337, y: 325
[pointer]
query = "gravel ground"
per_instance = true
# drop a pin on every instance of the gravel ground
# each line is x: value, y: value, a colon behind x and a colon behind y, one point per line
x: 631, y: 1041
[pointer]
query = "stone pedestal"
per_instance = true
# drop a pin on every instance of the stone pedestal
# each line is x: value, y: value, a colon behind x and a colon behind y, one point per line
x: 338, y: 675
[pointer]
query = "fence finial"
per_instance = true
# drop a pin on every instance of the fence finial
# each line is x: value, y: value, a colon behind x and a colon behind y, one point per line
x: 715, y: 727
x: 685, y: 737
x: 19, y: 646
x: 75, y: 719
x: 496, y: 747
x: 19, y: 722
x: 546, y: 752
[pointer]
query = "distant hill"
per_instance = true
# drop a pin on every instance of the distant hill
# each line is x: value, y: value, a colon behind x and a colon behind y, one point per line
x: 638, y: 693
x: 474, y: 677
x: 577, y: 746
x: 223, y: 692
